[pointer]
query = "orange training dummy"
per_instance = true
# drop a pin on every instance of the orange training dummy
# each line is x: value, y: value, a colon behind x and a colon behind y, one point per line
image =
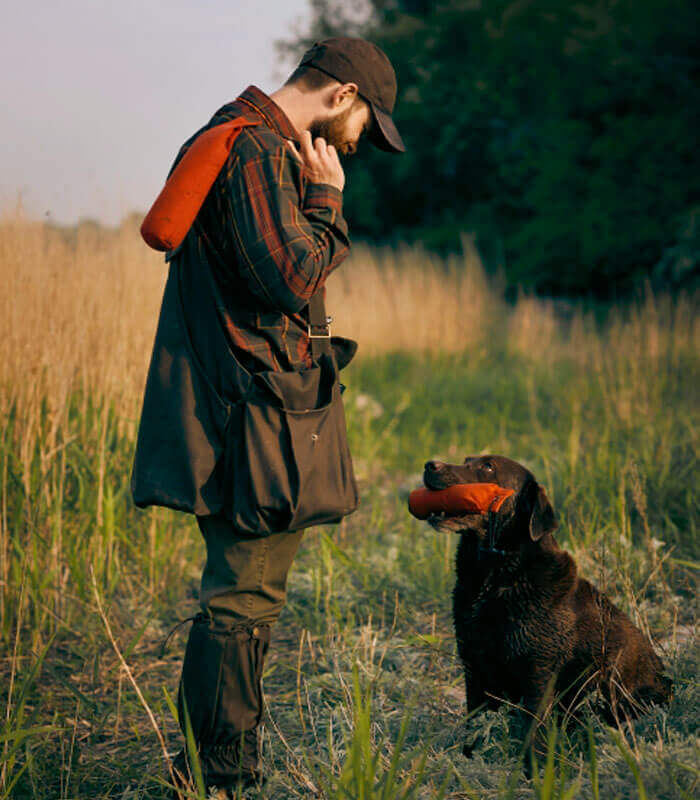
x: 463, y: 498
x: 176, y: 207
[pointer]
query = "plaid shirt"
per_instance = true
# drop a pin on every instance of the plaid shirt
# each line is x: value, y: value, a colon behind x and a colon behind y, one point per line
x: 270, y: 236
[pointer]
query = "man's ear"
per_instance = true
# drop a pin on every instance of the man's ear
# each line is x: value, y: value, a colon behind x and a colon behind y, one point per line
x: 542, y: 519
x: 345, y: 93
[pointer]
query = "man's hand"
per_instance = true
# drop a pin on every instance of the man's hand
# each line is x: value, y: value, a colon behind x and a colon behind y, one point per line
x: 320, y: 160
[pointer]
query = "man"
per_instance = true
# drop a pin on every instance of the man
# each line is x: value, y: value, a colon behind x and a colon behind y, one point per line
x: 268, y: 235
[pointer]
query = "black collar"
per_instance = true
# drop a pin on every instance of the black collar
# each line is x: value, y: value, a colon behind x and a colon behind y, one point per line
x: 491, y: 550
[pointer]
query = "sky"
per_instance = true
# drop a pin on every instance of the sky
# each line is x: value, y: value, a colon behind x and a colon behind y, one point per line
x: 96, y: 97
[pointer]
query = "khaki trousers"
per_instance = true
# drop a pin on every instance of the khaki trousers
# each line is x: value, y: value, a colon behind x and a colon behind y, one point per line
x: 245, y: 579
x: 243, y: 592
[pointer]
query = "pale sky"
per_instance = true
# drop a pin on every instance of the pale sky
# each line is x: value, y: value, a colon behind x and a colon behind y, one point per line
x: 96, y: 97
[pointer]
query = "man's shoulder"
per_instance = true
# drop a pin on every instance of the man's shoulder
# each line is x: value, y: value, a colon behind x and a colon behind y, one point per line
x: 256, y: 147
x: 252, y: 141
x: 261, y: 156
x: 258, y: 141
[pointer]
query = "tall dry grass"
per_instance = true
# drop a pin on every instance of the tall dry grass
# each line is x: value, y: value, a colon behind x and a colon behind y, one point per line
x: 411, y: 300
x: 78, y: 310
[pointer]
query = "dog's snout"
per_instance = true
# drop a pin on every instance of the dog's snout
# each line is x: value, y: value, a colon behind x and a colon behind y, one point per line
x: 434, y: 466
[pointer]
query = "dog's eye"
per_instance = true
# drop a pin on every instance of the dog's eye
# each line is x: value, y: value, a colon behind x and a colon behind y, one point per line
x: 487, y: 467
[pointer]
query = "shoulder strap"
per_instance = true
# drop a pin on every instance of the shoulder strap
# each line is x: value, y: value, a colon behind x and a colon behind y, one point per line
x: 319, y: 326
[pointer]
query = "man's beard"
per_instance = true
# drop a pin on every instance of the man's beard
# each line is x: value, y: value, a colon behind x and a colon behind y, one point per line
x: 332, y: 129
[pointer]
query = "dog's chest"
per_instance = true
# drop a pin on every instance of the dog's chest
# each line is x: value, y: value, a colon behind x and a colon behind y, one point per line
x: 499, y: 616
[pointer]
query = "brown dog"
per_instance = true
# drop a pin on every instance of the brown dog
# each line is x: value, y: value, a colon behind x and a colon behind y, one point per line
x: 525, y: 621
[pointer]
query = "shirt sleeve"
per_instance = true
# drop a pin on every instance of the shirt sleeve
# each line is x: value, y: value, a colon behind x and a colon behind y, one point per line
x: 289, y: 234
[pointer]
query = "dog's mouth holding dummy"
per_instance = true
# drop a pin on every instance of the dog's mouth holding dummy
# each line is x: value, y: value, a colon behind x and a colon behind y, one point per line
x: 460, y: 498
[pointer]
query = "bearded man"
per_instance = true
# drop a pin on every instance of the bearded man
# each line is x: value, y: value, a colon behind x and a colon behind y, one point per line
x: 269, y: 234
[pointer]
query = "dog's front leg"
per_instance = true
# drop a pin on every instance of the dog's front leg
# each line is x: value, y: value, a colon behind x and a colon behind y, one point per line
x: 475, y: 690
x: 538, y: 704
x: 476, y: 697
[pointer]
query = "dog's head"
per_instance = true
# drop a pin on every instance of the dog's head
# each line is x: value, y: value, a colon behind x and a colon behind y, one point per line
x: 527, y: 515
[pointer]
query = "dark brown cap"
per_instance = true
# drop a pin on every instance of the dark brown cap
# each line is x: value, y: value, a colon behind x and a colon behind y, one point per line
x: 351, y: 60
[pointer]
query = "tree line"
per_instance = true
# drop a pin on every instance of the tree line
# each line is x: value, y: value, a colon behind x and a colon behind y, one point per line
x: 562, y: 134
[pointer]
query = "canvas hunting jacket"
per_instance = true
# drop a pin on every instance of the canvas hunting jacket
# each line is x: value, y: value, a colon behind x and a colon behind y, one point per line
x: 263, y: 243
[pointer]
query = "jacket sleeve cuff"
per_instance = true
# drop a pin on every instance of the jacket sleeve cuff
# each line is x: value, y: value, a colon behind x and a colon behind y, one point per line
x: 323, y: 195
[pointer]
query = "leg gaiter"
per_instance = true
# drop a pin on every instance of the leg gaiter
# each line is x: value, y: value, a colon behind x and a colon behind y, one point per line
x: 221, y: 688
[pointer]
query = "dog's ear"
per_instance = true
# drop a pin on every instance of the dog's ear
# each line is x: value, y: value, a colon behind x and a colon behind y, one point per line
x: 542, y: 519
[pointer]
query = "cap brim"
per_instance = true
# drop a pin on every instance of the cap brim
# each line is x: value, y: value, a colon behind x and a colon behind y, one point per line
x: 383, y: 133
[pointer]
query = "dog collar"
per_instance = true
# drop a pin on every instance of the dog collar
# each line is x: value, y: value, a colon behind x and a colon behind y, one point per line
x: 493, y: 526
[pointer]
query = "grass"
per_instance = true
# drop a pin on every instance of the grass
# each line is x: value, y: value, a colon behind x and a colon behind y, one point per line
x: 364, y: 691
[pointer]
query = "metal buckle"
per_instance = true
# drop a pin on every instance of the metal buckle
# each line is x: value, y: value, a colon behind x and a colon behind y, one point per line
x: 320, y: 335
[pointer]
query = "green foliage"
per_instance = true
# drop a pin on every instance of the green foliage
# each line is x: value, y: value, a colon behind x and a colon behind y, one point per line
x: 562, y: 133
x: 19, y: 728
x: 375, y: 770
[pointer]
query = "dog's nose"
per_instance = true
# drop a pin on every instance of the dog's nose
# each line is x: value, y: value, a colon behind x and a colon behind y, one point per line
x: 434, y: 466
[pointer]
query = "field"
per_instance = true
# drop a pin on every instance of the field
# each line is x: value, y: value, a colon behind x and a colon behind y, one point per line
x: 364, y: 691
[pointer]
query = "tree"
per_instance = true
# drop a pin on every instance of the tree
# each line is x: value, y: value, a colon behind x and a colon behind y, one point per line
x: 562, y: 133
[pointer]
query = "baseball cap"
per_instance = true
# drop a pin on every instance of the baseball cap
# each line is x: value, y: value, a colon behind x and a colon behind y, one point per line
x: 352, y: 60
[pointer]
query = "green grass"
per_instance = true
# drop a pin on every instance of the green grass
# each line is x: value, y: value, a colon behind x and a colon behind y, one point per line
x: 364, y: 690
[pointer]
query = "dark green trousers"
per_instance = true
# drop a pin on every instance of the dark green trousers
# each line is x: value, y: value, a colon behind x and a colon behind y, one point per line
x: 243, y: 591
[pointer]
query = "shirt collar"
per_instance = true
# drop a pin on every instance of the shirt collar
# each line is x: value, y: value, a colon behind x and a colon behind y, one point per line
x: 264, y: 106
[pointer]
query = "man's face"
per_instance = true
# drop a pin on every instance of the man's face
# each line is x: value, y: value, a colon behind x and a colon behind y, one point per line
x: 343, y: 130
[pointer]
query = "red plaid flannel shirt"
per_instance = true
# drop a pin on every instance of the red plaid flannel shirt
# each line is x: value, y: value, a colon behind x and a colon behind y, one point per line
x: 271, y: 238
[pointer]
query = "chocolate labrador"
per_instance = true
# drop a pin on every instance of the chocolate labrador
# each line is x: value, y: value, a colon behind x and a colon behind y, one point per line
x: 526, y: 622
